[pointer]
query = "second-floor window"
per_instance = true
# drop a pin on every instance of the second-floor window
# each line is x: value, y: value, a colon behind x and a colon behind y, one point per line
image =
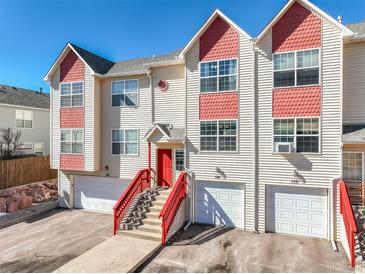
x: 72, y: 94
x: 125, y: 142
x: 300, y: 68
x: 72, y: 141
x: 23, y: 118
x: 301, y: 133
x: 218, y: 76
x: 218, y: 135
x: 125, y: 93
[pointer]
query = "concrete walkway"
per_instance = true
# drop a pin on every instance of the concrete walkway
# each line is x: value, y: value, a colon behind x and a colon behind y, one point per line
x: 117, y: 254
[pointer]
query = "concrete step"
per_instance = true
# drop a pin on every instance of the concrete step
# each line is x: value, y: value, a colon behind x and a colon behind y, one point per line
x: 152, y: 221
x: 155, y: 208
x: 136, y: 233
x: 159, y: 203
x: 155, y: 228
x: 153, y: 215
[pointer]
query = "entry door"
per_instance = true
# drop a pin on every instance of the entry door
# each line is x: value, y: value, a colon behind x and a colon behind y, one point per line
x: 164, y: 167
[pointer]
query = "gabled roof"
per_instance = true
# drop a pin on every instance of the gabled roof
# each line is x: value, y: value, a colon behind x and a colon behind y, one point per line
x: 96, y: 63
x: 358, y: 29
x: 171, y: 133
x: 23, y: 97
x: 309, y: 5
x: 215, y: 14
x: 354, y: 134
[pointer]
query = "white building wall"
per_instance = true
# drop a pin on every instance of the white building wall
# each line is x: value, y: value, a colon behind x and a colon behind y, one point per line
x: 354, y: 83
x: 55, y: 116
x: 238, y: 167
x: 317, y: 170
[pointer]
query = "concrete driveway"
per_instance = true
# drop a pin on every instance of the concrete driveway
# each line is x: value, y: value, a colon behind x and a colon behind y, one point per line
x: 209, y: 249
x: 48, y: 241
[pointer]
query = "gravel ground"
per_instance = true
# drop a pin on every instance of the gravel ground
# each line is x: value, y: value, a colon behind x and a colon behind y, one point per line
x: 46, y: 242
x: 217, y: 249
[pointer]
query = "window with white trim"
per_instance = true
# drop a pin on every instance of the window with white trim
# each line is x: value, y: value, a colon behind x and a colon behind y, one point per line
x: 300, y: 68
x: 72, y: 94
x: 302, y: 133
x: 39, y: 149
x: 24, y: 118
x: 218, y: 76
x: 125, y: 141
x: 352, y: 166
x: 218, y: 135
x: 72, y: 141
x: 179, y: 160
x: 125, y: 93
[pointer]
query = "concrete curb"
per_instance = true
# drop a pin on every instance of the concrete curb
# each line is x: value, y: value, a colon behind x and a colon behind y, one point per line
x: 24, y: 214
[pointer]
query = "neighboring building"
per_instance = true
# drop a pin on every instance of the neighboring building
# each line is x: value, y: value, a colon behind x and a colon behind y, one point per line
x: 27, y: 111
x: 257, y: 120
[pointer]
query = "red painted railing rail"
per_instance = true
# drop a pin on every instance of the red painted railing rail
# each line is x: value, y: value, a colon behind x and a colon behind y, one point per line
x: 348, y: 219
x: 172, y: 205
x: 137, y: 186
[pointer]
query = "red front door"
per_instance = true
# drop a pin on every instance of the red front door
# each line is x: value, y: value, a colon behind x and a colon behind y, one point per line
x: 164, y: 167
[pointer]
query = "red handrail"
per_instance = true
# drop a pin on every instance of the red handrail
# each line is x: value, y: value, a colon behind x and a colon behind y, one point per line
x: 137, y: 186
x: 172, y: 205
x: 348, y: 219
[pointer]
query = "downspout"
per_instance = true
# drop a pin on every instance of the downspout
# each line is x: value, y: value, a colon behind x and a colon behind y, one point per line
x: 256, y: 177
x: 152, y: 97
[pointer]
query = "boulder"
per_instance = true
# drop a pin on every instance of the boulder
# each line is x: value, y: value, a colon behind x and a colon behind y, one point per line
x: 25, y: 202
x: 2, y: 204
x: 11, y: 205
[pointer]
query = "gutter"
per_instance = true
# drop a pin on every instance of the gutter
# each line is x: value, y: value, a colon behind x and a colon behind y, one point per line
x: 118, y: 74
x: 165, y: 63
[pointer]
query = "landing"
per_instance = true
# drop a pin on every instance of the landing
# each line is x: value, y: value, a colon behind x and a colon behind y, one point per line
x: 106, y: 257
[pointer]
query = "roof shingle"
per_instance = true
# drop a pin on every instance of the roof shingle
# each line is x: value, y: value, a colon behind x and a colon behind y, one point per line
x: 23, y: 97
x: 357, y: 28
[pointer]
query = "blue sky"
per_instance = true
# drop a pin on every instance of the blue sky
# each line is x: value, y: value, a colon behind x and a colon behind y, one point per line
x: 33, y: 32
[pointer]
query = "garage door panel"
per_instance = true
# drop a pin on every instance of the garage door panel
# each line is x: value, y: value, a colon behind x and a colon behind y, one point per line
x: 297, y: 210
x: 219, y: 203
x: 97, y: 193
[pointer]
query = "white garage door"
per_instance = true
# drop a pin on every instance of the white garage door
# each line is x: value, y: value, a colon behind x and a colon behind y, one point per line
x: 297, y: 210
x: 97, y: 193
x: 219, y: 203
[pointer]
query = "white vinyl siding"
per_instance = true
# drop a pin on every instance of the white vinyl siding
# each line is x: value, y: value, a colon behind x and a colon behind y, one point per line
x: 64, y: 189
x: 224, y: 166
x: 169, y: 105
x: 55, y: 120
x: 316, y: 169
x: 354, y: 83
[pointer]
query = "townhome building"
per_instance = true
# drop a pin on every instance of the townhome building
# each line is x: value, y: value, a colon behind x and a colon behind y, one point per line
x: 26, y: 111
x: 264, y: 127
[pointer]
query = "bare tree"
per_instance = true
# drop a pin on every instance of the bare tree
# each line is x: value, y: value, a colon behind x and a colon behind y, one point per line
x: 9, y: 143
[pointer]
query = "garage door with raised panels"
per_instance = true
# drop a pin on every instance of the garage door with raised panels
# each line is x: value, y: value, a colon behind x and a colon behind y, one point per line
x: 297, y: 210
x: 219, y: 203
x: 97, y: 193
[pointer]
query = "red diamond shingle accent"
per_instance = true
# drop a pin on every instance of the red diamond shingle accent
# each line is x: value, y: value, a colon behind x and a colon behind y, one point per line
x: 296, y: 102
x: 297, y: 29
x: 72, y: 117
x: 219, y: 41
x: 72, y: 68
x: 218, y: 106
x: 72, y: 162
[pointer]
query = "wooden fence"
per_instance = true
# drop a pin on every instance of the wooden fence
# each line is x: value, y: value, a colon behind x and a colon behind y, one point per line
x: 25, y: 171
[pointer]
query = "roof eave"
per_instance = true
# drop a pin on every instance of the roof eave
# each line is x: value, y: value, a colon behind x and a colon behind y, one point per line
x: 207, y: 23
x: 118, y: 74
x: 58, y: 60
x: 177, y: 61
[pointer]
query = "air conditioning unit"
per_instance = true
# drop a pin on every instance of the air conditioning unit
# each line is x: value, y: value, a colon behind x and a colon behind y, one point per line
x: 285, y: 148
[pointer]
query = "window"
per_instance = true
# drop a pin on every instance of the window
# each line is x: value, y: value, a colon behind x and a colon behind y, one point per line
x: 179, y: 160
x: 303, y: 133
x: 125, y: 141
x: 299, y: 68
x: 25, y: 148
x: 72, y: 94
x: 125, y: 93
x: 38, y: 149
x: 218, y: 76
x: 72, y: 141
x: 352, y: 166
x: 218, y: 135
x: 23, y: 118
